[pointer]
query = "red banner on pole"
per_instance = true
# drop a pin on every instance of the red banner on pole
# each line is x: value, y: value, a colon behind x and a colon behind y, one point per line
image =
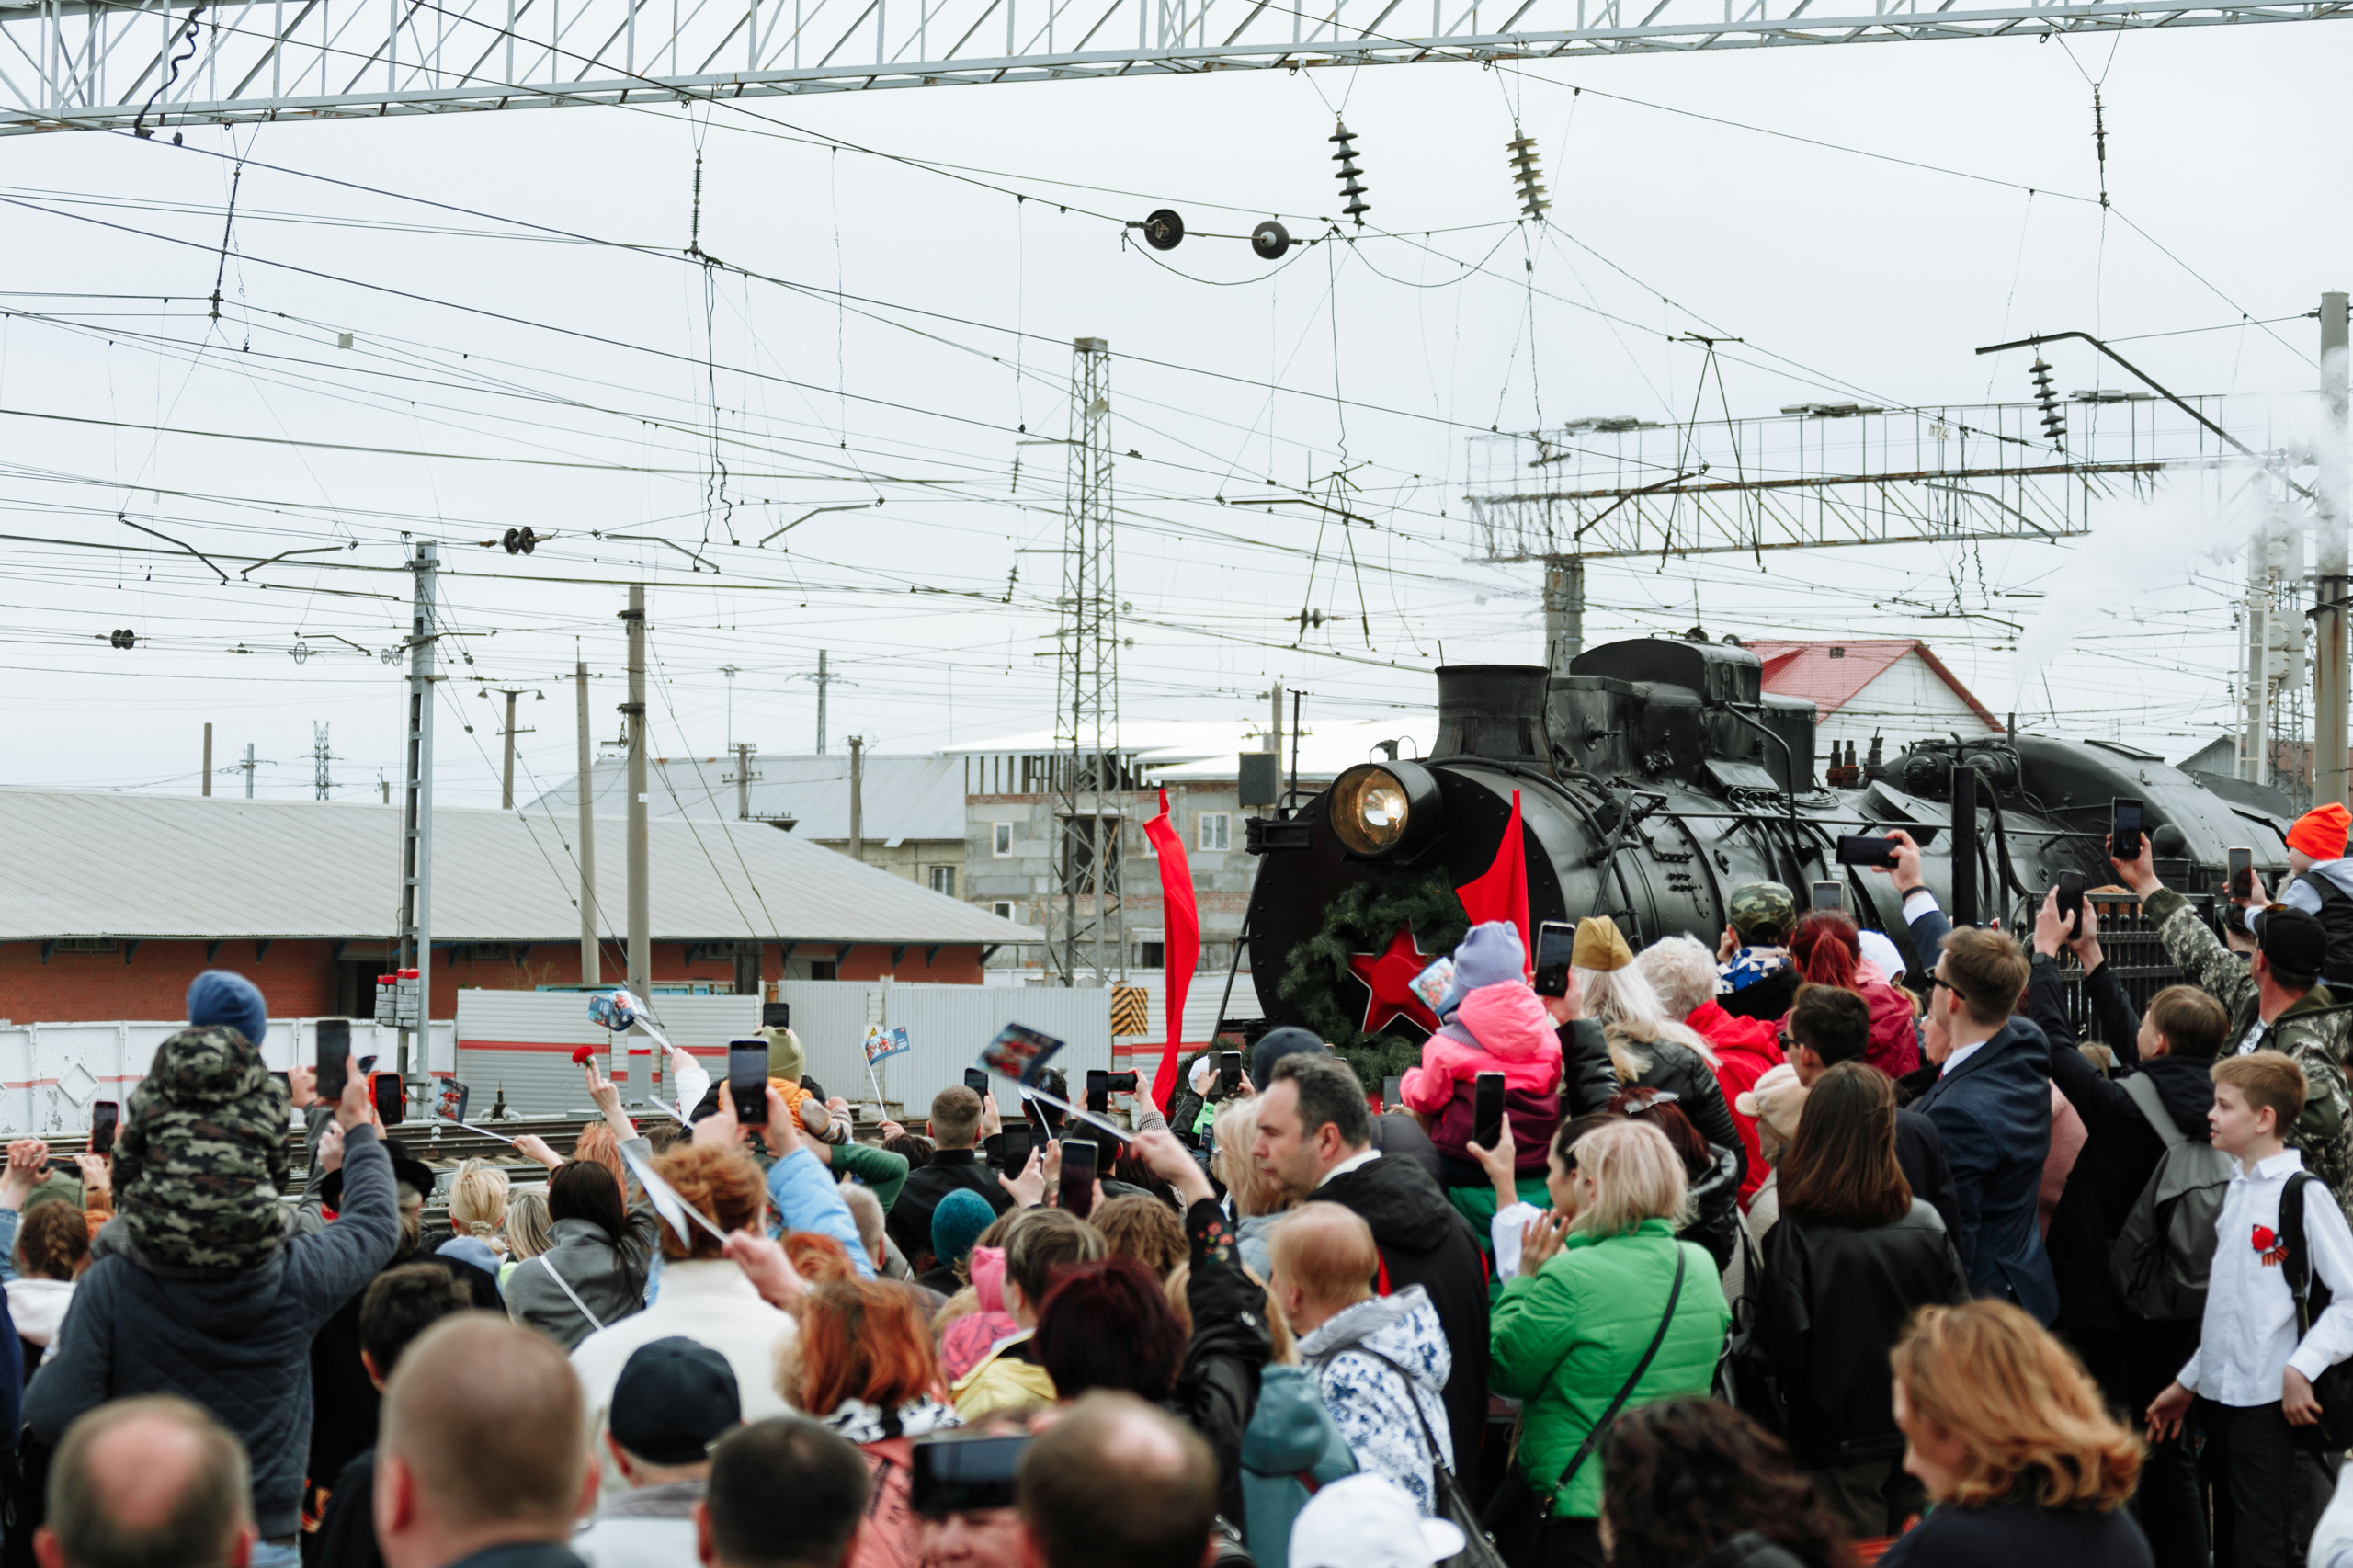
x: 1500, y: 893
x: 1180, y: 941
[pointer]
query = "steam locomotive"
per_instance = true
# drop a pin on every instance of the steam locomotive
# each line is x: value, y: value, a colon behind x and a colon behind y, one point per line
x: 1656, y: 777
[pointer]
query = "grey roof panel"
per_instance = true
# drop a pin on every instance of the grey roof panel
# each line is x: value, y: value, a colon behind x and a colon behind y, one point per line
x: 83, y: 864
x: 904, y: 795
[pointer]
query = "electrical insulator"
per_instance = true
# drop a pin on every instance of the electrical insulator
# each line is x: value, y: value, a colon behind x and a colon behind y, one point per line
x: 1270, y: 240
x: 1524, y: 171
x: 2054, y: 424
x: 520, y: 541
x: 1350, y: 174
x: 121, y: 638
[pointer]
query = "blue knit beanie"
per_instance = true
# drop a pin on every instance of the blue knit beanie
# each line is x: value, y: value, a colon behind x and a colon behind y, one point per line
x: 1489, y: 954
x: 957, y: 1224
x: 219, y: 996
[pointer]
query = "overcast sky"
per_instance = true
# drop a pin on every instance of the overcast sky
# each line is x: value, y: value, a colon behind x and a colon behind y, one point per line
x: 508, y: 377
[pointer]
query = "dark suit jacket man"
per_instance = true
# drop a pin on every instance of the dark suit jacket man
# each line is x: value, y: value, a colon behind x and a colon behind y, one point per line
x: 1992, y: 1115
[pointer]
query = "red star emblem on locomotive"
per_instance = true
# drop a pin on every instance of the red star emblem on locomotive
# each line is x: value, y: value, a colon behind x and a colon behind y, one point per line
x: 1388, y: 976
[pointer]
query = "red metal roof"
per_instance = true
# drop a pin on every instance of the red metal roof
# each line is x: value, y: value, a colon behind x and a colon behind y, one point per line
x: 1809, y: 670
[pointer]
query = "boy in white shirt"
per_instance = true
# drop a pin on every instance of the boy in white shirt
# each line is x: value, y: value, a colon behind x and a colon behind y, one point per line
x: 2251, y: 1377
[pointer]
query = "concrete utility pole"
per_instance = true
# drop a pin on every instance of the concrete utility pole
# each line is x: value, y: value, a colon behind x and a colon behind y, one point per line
x: 416, y: 944
x: 1563, y: 611
x: 745, y: 751
x: 248, y: 766
x: 207, y: 757
x: 858, y: 797
x: 2330, y: 674
x: 1275, y: 727
x: 507, y: 780
x: 641, y: 936
x: 822, y: 681
x: 592, y: 969
x: 2255, y: 754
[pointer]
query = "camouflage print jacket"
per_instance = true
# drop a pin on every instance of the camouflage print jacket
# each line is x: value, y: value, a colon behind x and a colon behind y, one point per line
x: 201, y: 1157
x: 2313, y: 1031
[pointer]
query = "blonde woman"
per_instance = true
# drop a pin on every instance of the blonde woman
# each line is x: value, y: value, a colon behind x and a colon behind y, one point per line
x: 1601, y: 1280
x: 1258, y: 1199
x: 2008, y: 1435
x: 1649, y: 1047
x: 526, y: 1230
x: 478, y: 1195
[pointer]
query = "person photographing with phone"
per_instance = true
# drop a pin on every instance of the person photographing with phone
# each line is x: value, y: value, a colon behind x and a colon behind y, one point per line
x: 2321, y: 884
x: 1494, y: 1036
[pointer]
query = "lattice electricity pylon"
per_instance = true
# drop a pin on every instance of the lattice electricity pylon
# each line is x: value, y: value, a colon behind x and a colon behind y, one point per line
x: 1091, y: 946
x: 1822, y: 475
x: 149, y: 64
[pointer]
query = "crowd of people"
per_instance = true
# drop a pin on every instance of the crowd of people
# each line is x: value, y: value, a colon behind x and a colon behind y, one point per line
x: 1816, y: 1249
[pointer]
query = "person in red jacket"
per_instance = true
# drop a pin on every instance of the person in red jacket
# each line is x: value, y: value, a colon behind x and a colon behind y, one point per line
x: 1829, y: 950
x: 1683, y: 972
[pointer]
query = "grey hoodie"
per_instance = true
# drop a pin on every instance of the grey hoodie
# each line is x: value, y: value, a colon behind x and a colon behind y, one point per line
x: 1367, y: 1398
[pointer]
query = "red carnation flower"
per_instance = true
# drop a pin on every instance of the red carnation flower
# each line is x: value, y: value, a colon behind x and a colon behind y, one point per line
x: 2264, y: 1239
x: 581, y: 1053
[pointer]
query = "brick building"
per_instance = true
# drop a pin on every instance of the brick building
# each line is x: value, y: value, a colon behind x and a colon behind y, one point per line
x: 109, y: 902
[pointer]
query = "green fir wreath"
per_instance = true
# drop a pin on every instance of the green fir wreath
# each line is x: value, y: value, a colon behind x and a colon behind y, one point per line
x: 1318, y: 983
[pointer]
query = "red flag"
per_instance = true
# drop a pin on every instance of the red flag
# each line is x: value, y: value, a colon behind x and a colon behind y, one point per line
x: 1180, y: 941
x: 1500, y: 893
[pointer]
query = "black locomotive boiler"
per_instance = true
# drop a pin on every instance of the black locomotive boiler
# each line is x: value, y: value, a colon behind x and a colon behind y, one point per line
x: 1656, y: 777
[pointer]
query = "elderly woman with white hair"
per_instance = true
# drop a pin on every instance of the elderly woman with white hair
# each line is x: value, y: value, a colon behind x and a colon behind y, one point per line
x: 1683, y: 971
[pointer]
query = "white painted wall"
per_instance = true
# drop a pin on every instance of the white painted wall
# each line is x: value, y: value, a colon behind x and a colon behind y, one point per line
x: 1907, y: 702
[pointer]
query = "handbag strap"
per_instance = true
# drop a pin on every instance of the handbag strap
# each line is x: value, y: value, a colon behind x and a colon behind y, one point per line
x: 2152, y: 1106
x: 1593, y: 1437
x: 548, y: 1263
x: 1413, y: 1401
x: 2299, y: 1271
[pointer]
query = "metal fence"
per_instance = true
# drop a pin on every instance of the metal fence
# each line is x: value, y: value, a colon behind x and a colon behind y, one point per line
x: 2130, y: 945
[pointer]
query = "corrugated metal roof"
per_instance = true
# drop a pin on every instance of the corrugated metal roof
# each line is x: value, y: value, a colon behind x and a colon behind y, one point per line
x: 1206, y: 749
x: 905, y: 796
x: 1830, y: 681
x: 187, y: 867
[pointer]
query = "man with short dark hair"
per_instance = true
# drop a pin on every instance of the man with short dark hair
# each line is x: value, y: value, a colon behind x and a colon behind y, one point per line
x: 399, y: 1305
x: 738, y: 1523
x: 958, y: 1119
x: 480, y: 1463
x: 1314, y: 1137
x: 1829, y: 1026
x: 152, y: 1483
x: 1116, y: 1481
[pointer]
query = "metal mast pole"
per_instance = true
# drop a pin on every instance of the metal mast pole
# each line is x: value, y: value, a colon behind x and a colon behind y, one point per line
x: 1089, y: 772
x: 640, y: 939
x: 1563, y: 611
x: 592, y: 969
x: 417, y: 811
x: 2255, y: 755
x: 2330, y: 673
x: 822, y: 679
x: 208, y: 759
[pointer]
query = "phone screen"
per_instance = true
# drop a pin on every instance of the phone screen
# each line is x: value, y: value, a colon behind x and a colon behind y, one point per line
x: 1487, y: 1110
x: 1016, y: 1145
x: 2071, y: 902
x: 776, y: 1015
x: 1098, y: 1089
x: 2242, y: 863
x: 1829, y: 895
x: 105, y: 1116
x: 748, y: 1081
x: 960, y: 1474
x: 332, y: 1038
x: 2124, y: 831
x: 1078, y: 1177
x: 977, y: 1080
x: 391, y: 1105
x: 1229, y: 1068
x: 1860, y: 849
x: 1556, y: 941
x: 1392, y: 1091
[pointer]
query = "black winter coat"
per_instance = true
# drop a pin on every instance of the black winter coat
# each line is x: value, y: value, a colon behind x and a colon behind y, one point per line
x: 1681, y: 1070
x: 2017, y: 1532
x: 1425, y: 1241
x: 2120, y: 1149
x: 1217, y: 1392
x: 1715, y: 1206
x: 1586, y: 1078
x: 1835, y: 1301
x: 909, y: 1218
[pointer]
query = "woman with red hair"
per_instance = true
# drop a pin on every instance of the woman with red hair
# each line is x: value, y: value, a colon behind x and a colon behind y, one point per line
x: 864, y: 1366
x: 1829, y: 950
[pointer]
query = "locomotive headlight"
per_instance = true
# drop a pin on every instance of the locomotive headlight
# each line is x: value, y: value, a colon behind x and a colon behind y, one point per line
x: 1379, y: 807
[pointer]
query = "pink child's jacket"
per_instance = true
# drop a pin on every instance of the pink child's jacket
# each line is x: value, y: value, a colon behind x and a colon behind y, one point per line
x: 1498, y: 1028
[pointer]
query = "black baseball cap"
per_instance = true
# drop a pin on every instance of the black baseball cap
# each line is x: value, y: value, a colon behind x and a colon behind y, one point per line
x: 2293, y: 940
x: 673, y: 1400
x: 1275, y: 1044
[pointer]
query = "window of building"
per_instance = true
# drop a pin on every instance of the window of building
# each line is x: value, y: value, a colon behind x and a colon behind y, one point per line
x: 943, y: 879
x: 1001, y: 840
x: 1214, y: 828
x: 85, y: 945
x: 822, y: 969
x: 1151, y: 955
x: 1003, y: 909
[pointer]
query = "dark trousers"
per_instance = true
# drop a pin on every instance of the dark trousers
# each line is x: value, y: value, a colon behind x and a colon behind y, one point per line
x: 2263, y: 1484
x: 2132, y: 1366
x: 1570, y: 1543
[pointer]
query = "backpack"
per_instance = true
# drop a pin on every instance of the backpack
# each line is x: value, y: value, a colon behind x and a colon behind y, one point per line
x: 2160, y: 1260
x: 2333, y: 1388
x: 2335, y: 917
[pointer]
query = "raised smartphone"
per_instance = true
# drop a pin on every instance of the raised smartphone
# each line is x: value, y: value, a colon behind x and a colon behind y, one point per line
x: 748, y: 1081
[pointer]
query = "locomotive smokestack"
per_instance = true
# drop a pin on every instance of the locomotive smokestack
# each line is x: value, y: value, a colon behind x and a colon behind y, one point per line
x: 1492, y: 710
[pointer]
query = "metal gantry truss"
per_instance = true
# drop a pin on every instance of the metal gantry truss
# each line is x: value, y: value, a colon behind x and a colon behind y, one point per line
x: 1822, y: 475
x: 1090, y: 945
x: 104, y: 64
